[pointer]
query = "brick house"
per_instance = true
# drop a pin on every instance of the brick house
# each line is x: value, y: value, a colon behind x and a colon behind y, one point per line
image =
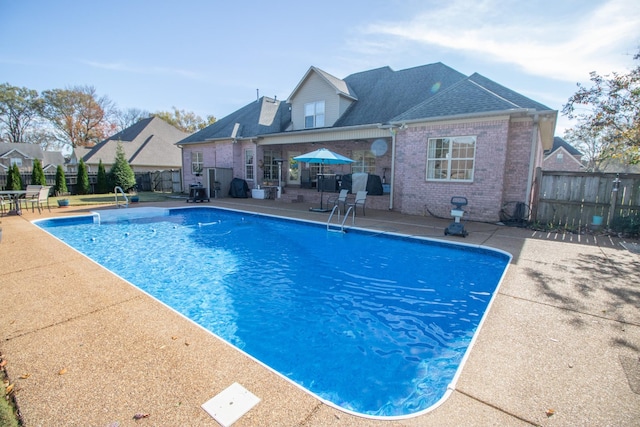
x: 562, y: 157
x: 429, y: 132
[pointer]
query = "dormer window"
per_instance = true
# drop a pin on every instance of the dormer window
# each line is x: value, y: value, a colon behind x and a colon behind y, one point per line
x: 314, y: 115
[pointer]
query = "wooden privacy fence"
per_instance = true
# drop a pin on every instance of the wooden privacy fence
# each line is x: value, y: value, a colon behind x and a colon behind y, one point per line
x: 573, y: 199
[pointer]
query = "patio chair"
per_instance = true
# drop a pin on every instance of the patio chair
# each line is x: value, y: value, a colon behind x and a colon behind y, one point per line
x: 4, y: 202
x: 43, y: 197
x: 360, y: 200
x: 340, y: 200
x: 32, y: 193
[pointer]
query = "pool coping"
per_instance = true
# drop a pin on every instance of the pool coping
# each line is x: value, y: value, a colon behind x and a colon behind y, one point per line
x: 515, y: 374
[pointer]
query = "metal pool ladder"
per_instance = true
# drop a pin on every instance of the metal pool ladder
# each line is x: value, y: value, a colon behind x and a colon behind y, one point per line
x: 339, y: 228
x: 126, y: 199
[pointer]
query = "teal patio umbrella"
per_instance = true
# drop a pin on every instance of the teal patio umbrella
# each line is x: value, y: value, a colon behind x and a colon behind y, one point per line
x: 323, y: 157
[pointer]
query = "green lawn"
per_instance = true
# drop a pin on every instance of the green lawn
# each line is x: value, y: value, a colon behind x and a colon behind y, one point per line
x: 109, y: 199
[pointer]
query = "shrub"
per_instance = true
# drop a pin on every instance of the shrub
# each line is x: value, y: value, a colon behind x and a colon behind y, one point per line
x: 102, y: 183
x: 61, y: 181
x: 37, y: 175
x: 121, y: 173
x: 83, y: 186
x: 14, y: 180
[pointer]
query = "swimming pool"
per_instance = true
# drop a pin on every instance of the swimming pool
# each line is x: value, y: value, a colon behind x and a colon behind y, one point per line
x: 375, y: 324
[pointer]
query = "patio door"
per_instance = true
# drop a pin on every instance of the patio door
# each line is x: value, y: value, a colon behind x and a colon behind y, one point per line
x: 293, y: 168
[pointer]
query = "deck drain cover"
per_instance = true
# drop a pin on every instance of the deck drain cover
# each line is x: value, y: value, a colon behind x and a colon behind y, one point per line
x: 232, y: 403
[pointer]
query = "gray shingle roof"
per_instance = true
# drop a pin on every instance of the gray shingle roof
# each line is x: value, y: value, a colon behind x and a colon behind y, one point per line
x: 149, y: 143
x: 475, y: 94
x: 559, y: 142
x: 260, y: 117
x: 384, y: 94
x: 381, y: 95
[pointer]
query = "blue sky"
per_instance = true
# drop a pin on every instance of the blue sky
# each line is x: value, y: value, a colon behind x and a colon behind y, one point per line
x: 209, y: 57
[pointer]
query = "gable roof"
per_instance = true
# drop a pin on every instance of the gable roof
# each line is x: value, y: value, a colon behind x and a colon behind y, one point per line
x: 559, y: 142
x: 149, y: 142
x: 264, y: 116
x: 472, y: 95
x: 32, y: 151
x: 383, y: 96
x: 384, y: 93
x: 341, y: 87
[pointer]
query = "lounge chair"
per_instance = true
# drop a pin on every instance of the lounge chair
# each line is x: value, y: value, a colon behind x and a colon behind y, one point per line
x: 340, y: 200
x: 360, y: 200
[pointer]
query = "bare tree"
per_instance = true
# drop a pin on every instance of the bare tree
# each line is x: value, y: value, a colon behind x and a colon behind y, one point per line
x: 129, y: 117
x: 19, y: 107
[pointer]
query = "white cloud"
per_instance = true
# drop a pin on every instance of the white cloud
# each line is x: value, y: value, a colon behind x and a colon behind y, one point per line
x: 541, y: 39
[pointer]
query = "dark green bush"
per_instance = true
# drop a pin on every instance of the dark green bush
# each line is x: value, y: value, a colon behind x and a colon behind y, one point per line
x: 83, y: 186
x: 61, y: 181
x: 37, y: 175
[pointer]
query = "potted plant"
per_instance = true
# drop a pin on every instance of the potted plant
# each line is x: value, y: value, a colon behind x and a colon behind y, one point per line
x: 63, y: 203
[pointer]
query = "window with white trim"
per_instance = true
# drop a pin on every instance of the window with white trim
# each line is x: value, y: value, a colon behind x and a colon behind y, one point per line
x: 451, y: 158
x: 196, y: 162
x: 314, y: 115
x: 248, y: 164
x: 270, y: 165
x: 364, y: 161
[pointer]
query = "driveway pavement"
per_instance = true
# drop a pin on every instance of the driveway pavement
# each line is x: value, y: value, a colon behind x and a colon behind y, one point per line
x: 559, y: 347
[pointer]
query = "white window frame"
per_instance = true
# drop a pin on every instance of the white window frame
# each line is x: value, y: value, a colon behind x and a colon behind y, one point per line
x: 197, y: 164
x: 365, y: 161
x: 451, y: 159
x: 314, y: 115
x: 16, y: 161
x: 249, y: 164
x: 270, y: 166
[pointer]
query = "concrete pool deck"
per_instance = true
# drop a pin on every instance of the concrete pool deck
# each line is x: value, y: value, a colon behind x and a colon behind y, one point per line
x: 560, y: 345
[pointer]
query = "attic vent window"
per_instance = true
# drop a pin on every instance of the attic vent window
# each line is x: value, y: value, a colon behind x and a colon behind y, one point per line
x: 314, y: 115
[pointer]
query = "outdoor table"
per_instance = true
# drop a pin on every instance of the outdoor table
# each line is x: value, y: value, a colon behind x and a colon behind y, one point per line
x: 14, y: 195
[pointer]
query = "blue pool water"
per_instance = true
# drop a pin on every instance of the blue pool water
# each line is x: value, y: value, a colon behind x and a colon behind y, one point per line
x: 375, y: 324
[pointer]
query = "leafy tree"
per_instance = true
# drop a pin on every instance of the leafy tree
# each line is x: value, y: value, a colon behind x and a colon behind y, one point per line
x: 102, y: 183
x: 37, y: 175
x: 186, y: 121
x: 608, y: 115
x: 121, y: 173
x: 78, y: 115
x: 14, y: 180
x: 61, y: 181
x: 83, y: 186
x: 19, y: 107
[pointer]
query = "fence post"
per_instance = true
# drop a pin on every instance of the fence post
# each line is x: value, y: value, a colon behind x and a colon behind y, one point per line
x: 614, y: 200
x: 535, y: 194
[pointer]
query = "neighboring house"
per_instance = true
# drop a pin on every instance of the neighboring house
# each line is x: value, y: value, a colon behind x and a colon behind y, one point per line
x: 24, y: 154
x: 149, y: 145
x: 562, y: 157
x: 430, y: 132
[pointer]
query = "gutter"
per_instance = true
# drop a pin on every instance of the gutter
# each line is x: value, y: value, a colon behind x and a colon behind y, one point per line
x: 393, y: 129
x: 534, y: 140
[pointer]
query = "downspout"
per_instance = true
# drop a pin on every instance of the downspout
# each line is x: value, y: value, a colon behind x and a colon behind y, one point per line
x: 532, y: 155
x: 393, y: 132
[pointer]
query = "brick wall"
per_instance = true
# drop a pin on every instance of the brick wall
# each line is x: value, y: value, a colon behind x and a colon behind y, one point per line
x: 501, y: 167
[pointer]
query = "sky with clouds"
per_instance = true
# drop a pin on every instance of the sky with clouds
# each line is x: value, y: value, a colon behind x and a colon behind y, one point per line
x: 211, y: 57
